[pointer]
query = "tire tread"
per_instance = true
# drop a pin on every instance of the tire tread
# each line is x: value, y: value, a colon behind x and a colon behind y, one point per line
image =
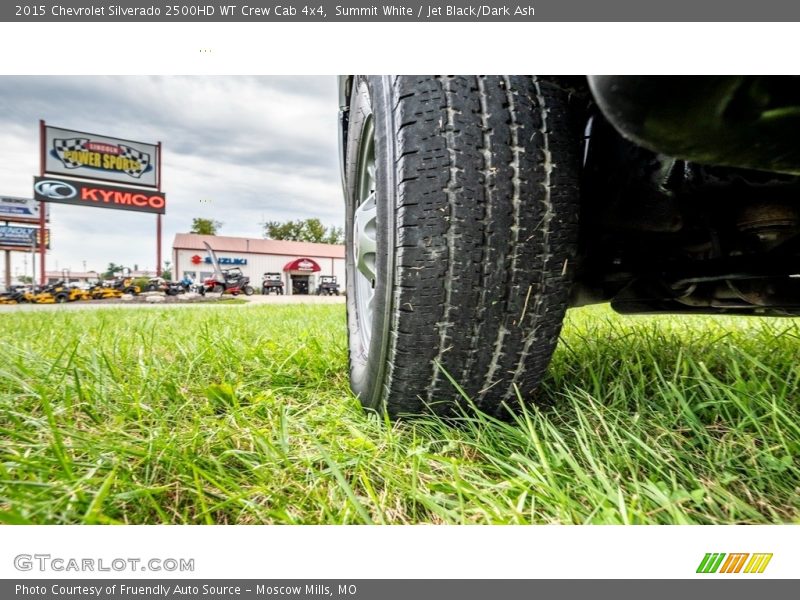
x: 486, y: 225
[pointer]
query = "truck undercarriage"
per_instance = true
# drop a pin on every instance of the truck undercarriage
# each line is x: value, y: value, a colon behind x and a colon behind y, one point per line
x: 665, y: 233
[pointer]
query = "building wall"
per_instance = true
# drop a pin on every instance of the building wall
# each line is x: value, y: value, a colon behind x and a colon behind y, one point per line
x: 257, y: 265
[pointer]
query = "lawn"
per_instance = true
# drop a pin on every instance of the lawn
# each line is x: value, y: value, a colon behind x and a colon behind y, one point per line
x: 239, y: 414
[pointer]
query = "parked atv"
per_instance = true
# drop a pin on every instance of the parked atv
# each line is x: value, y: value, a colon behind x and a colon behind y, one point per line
x: 170, y: 288
x: 104, y: 291
x: 58, y: 293
x: 227, y: 281
x: 272, y: 282
x: 155, y: 284
x: 187, y: 283
x: 173, y: 288
x: 76, y: 293
x: 18, y: 296
x: 328, y: 286
x: 233, y: 282
x: 125, y: 285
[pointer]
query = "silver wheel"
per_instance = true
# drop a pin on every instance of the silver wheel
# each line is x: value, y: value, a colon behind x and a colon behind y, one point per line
x: 364, y: 232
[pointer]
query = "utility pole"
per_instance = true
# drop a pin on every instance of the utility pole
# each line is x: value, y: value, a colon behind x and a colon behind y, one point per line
x: 42, y: 207
x: 8, y: 267
x: 158, y: 218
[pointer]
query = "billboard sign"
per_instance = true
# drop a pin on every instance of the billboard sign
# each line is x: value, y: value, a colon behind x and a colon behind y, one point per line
x: 16, y: 237
x: 84, y: 193
x: 91, y: 156
x: 21, y: 210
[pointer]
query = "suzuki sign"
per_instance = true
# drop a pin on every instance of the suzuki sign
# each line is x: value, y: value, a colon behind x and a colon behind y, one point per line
x: 223, y: 260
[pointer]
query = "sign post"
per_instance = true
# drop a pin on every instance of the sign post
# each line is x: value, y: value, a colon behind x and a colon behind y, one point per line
x: 42, y: 248
x: 7, y: 267
x: 33, y: 264
x: 158, y: 217
x: 15, y: 210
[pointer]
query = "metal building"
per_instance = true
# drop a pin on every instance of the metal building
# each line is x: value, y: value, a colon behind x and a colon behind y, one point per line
x: 299, y: 263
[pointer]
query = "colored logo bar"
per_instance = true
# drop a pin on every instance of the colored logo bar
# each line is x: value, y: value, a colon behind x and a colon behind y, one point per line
x: 737, y: 562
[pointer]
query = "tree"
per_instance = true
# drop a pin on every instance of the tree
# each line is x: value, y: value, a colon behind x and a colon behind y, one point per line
x: 166, y: 272
x: 303, y: 230
x: 335, y: 235
x: 205, y: 226
x: 112, y: 269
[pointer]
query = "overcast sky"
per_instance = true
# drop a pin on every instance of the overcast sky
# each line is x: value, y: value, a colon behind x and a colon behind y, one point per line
x: 240, y: 150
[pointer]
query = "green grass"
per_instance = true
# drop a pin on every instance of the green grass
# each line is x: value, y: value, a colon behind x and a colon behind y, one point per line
x: 243, y: 415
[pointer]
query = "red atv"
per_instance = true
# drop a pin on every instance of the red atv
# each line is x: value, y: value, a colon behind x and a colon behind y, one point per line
x: 233, y: 282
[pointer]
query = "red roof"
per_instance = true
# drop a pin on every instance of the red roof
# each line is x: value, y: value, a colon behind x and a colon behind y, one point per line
x: 223, y: 243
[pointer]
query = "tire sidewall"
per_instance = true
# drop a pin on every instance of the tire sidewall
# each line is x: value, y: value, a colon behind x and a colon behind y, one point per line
x: 371, y: 95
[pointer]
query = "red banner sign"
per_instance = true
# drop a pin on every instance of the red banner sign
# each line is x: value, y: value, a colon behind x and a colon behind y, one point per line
x: 83, y: 193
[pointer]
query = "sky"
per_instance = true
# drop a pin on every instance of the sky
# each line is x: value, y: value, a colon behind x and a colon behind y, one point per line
x: 240, y: 150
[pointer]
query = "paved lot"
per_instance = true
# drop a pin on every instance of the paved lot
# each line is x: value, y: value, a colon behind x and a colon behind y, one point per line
x: 251, y: 301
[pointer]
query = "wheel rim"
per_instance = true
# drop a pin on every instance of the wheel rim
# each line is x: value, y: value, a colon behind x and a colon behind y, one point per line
x: 364, y: 234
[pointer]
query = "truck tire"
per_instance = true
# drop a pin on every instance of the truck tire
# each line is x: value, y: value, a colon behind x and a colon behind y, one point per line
x: 461, y: 224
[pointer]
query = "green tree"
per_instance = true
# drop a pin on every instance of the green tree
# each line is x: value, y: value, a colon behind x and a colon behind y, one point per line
x: 303, y: 230
x: 112, y: 269
x: 166, y: 272
x: 205, y: 226
x: 335, y: 235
